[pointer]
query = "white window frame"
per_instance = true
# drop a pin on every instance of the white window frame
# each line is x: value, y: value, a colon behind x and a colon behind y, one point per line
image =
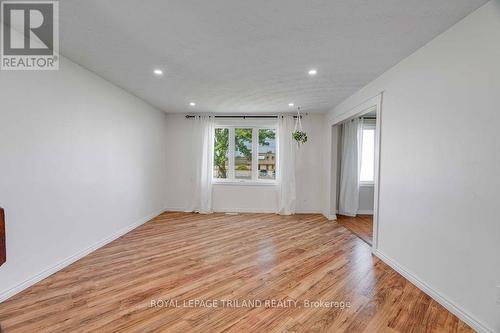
x: 255, y: 125
x: 368, y: 124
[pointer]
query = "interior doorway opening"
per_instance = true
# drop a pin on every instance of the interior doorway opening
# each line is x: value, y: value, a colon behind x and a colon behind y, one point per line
x: 355, y: 171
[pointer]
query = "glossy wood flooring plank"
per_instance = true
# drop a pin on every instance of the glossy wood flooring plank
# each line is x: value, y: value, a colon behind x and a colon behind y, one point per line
x: 360, y: 225
x: 247, y: 257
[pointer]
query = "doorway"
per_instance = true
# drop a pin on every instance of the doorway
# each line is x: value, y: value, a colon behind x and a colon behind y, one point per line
x: 355, y: 160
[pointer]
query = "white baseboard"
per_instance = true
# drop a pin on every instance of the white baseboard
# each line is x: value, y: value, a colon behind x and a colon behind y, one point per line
x: 6, y: 294
x: 247, y: 210
x: 331, y: 217
x: 263, y: 211
x: 177, y: 209
x: 449, y: 305
x: 243, y: 210
x: 308, y: 211
x: 359, y: 212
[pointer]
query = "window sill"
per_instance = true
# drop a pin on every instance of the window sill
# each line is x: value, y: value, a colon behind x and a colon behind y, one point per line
x: 244, y: 183
x: 366, y: 184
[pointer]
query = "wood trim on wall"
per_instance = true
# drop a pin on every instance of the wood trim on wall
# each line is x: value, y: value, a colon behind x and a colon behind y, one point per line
x: 3, y: 250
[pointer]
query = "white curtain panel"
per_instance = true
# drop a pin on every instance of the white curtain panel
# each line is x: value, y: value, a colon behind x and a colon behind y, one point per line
x: 203, y: 129
x: 287, y: 150
x: 350, y: 168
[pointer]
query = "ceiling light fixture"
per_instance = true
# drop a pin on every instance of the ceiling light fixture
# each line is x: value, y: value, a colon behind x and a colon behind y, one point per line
x: 291, y: 104
x: 192, y: 104
x: 158, y: 72
x: 312, y: 72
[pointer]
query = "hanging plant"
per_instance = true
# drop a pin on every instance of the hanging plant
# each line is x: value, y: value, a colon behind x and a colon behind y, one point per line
x: 299, y: 136
x: 298, y: 133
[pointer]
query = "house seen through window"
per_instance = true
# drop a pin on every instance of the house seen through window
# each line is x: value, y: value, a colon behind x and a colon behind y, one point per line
x: 244, y: 154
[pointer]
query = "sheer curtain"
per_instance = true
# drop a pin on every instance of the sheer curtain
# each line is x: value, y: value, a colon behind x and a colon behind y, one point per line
x: 203, y: 128
x: 350, y: 168
x: 287, y: 150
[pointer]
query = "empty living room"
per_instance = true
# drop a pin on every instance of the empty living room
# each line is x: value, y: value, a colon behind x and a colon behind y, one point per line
x: 249, y: 166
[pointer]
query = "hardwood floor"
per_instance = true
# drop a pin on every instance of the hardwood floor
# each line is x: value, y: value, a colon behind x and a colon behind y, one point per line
x: 361, y: 225
x: 247, y: 257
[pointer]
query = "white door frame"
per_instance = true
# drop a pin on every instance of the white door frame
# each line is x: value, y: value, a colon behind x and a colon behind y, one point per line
x: 372, y: 104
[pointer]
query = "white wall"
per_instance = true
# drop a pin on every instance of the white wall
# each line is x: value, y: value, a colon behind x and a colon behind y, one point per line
x: 249, y: 198
x: 80, y: 160
x: 366, y: 199
x: 440, y: 158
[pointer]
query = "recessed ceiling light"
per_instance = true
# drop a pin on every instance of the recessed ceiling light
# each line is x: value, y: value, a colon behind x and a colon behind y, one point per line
x: 290, y: 104
x: 312, y: 72
x: 192, y: 104
x: 158, y: 72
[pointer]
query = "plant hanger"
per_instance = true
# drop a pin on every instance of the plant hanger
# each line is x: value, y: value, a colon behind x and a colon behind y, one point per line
x: 298, y: 122
x: 298, y: 133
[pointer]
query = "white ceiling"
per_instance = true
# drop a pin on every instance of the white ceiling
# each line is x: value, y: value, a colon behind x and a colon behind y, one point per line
x: 233, y: 56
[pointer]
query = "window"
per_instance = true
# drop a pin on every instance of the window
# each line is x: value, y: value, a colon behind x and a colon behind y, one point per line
x: 367, y: 174
x: 267, y: 153
x: 221, y: 153
x: 244, y: 154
